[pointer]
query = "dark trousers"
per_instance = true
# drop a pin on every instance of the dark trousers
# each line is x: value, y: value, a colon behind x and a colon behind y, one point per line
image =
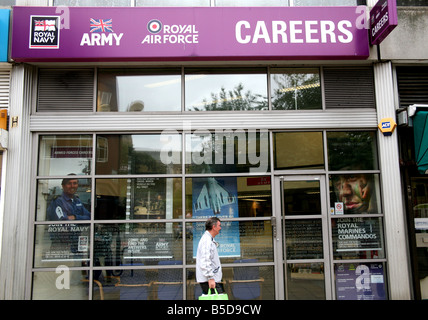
x: 205, y: 287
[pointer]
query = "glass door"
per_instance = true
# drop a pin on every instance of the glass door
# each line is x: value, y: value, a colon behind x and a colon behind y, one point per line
x: 305, y: 241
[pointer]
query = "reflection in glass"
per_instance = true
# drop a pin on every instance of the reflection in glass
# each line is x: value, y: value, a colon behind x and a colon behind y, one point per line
x: 355, y: 193
x: 227, y: 151
x: 237, y: 240
x: 252, y: 3
x: 138, y: 198
x: 207, y: 91
x: 92, y: 3
x: 303, y: 239
x: 305, y: 281
x: 46, y: 285
x: 295, y: 89
x: 172, y: 3
x: 360, y: 281
x: 302, y: 197
x: 299, y: 3
x: 298, y: 150
x: 411, y: 3
x: 138, y: 153
x: 228, y: 197
x: 420, y: 199
x: 358, y: 238
x: 257, y: 282
x: 61, y: 244
x: 138, y: 283
x: 353, y: 150
x: 138, y: 90
x: 419, y: 187
x: 55, y: 202
x: 65, y: 154
x: 137, y: 243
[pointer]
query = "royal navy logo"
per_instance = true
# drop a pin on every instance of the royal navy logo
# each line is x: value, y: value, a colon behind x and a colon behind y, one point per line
x: 44, y: 32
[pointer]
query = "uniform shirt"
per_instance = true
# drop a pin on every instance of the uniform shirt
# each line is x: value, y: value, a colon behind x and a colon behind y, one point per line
x: 63, y: 207
x: 207, y: 260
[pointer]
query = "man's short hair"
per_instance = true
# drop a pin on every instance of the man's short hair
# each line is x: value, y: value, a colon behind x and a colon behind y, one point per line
x: 66, y: 180
x: 211, y: 222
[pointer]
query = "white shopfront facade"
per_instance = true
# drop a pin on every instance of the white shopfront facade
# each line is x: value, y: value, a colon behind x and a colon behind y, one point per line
x: 198, y: 122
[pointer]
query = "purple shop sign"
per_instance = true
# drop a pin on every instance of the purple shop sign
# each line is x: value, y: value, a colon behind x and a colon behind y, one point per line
x: 383, y: 19
x: 160, y: 34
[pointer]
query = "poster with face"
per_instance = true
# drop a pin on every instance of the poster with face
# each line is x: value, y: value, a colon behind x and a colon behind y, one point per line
x: 355, y: 192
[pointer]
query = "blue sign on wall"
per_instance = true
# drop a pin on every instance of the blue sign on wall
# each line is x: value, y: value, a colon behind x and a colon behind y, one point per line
x: 4, y: 34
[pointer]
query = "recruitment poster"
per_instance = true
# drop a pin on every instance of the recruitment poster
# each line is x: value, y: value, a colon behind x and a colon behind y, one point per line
x: 218, y: 197
x: 360, y: 281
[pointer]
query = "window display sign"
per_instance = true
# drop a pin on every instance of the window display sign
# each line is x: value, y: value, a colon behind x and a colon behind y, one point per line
x: 217, y: 197
x: 62, y: 244
x: 356, y: 238
x: 147, y: 246
x: 187, y: 33
x: 360, y: 281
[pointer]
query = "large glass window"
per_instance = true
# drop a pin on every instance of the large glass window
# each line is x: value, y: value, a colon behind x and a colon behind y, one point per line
x: 193, y: 89
x: 139, y: 90
x: 238, y: 240
x: 229, y: 197
x: 63, y: 199
x: 302, y: 198
x: 65, y: 154
x: 298, y: 150
x: 47, y: 286
x: 139, y: 213
x: 329, y: 2
x: 139, y: 154
x: 295, y: 89
x: 172, y: 3
x: 297, y: 278
x: 304, y: 239
x: 352, y: 150
x: 138, y: 198
x: 409, y: 3
x: 252, y: 3
x: 227, y: 151
x: 230, y: 90
x: 137, y: 244
x: 92, y: 3
x: 245, y: 281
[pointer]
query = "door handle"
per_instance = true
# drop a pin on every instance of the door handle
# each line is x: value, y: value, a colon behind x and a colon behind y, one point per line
x: 273, y: 222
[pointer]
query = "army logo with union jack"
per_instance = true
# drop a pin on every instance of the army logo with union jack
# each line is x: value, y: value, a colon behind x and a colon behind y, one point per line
x: 101, y: 25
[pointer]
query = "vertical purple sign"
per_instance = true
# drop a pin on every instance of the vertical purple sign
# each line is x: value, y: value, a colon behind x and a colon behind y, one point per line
x: 383, y: 19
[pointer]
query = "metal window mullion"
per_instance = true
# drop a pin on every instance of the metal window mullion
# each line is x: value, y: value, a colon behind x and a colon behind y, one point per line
x: 95, y: 93
x: 183, y: 201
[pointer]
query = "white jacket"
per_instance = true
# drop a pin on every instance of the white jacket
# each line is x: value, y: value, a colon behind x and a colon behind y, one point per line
x: 207, y: 260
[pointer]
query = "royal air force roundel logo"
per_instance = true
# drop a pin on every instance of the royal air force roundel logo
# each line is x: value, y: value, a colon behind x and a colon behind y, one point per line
x: 154, y: 26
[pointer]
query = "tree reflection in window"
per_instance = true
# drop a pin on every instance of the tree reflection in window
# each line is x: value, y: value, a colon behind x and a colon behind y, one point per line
x: 226, y: 89
x: 295, y: 89
x: 233, y: 100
